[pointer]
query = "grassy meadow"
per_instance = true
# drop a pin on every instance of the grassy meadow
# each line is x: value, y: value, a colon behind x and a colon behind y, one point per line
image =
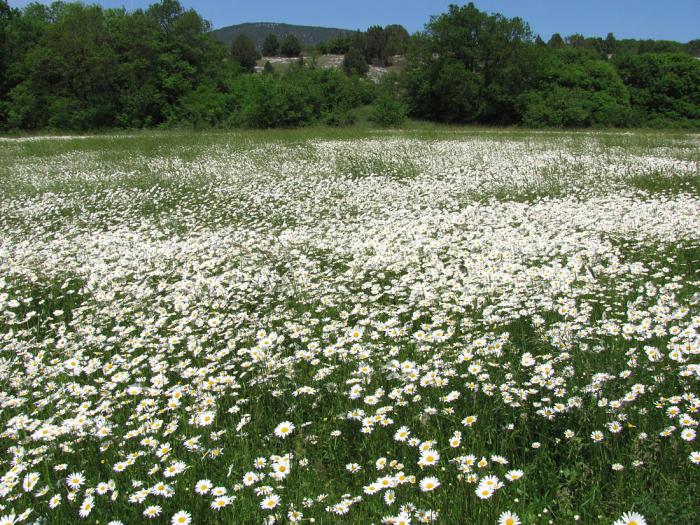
x: 428, y: 325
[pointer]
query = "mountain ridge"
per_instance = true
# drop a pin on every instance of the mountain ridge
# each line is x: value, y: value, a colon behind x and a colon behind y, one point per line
x: 257, y: 31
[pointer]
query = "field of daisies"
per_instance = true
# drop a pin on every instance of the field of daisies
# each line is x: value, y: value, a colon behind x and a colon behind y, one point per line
x: 428, y: 326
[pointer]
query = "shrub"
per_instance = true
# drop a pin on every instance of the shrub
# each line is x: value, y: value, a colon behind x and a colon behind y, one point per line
x: 575, y: 89
x: 340, y: 117
x: 290, y: 46
x: 244, y: 53
x: 271, y: 45
x: 295, y: 98
x: 202, y: 108
x: 388, y: 111
x: 354, y: 62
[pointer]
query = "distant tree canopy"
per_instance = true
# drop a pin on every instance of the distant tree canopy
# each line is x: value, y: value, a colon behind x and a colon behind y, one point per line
x: 244, y: 53
x: 396, y: 39
x: 377, y: 44
x: 290, y: 46
x: 79, y: 66
x: 271, y: 45
x: 355, y: 63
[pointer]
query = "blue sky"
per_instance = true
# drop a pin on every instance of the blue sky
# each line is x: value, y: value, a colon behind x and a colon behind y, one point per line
x: 659, y: 19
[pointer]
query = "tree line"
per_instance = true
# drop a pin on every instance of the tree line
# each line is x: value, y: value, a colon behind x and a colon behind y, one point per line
x: 77, y: 66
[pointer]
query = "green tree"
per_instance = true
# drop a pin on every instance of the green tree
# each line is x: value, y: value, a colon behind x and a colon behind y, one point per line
x: 664, y: 88
x: 490, y: 57
x: 376, y: 46
x: 290, y: 46
x: 166, y: 13
x: 575, y: 89
x: 693, y: 47
x: 136, y: 39
x: 556, y: 41
x: 358, y: 39
x: 354, y: 62
x: 189, y: 56
x: 5, y: 19
x: 610, y: 45
x: 397, y: 40
x: 243, y: 52
x: 271, y: 45
x: 576, y: 40
x: 339, y: 45
x: 71, y: 70
x: 389, y: 109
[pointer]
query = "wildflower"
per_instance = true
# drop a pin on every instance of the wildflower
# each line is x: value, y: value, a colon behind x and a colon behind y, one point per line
x: 220, y: 502
x: 284, y: 429
x: 270, y: 502
x: 205, y: 418
x: 353, y: 467
x: 514, y: 475
x: 86, y: 507
x: 508, y: 518
x: 429, y: 484
x: 428, y: 458
x: 688, y: 434
x: 402, y: 434
x: 203, y: 486
x: 8, y: 519
x: 631, y: 518
x: 484, y: 491
x: 75, y: 481
x: 152, y: 511
x: 181, y: 518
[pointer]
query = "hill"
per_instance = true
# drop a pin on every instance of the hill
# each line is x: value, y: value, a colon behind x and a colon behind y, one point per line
x: 257, y: 31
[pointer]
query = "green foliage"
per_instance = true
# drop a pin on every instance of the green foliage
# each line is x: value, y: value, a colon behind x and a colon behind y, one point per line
x: 203, y: 108
x: 290, y: 46
x: 664, y: 88
x: 397, y: 39
x: 340, y: 117
x: 575, y: 89
x: 354, y: 62
x: 24, y: 108
x: 556, y: 41
x: 469, y: 66
x: 79, y: 66
x: 271, y: 45
x: 388, y: 111
x: 376, y: 46
x: 243, y: 52
x: 298, y: 97
x: 338, y: 45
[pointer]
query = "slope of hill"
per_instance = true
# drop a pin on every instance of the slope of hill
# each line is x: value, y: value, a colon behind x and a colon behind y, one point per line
x: 257, y: 31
